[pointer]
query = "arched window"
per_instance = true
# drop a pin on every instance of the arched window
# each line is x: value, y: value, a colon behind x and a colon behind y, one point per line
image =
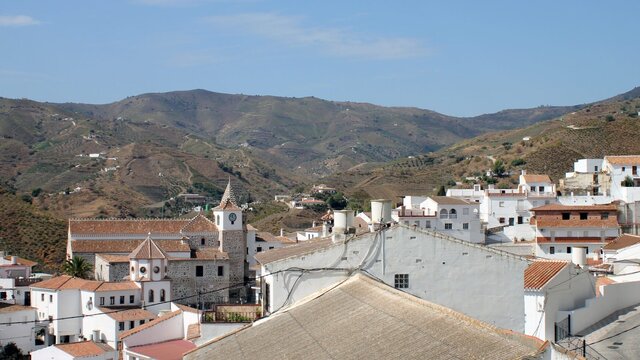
x: 162, y: 294
x: 151, y: 299
x: 444, y: 214
x: 453, y: 214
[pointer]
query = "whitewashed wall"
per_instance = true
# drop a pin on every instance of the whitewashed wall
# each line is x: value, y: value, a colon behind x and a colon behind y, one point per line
x: 485, y: 284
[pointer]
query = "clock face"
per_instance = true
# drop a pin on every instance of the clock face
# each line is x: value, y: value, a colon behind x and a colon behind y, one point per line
x: 233, y: 217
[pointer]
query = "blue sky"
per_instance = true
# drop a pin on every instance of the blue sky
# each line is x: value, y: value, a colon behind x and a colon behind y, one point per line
x: 456, y: 57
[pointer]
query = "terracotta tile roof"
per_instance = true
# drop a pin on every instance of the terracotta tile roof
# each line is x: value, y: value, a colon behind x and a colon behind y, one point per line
x: 448, y: 200
x: 362, y: 318
x: 84, y: 349
x: 266, y: 236
x: 9, y: 308
x: 540, y: 272
x: 193, y: 331
x: 148, y: 249
x: 560, y: 207
x: 166, y: 350
x: 228, y: 201
x: 186, y: 308
x: 285, y: 240
x: 623, y: 241
x: 548, y: 222
x: 66, y: 282
x: 127, y: 226
x: 200, y: 224
x: 124, y: 246
x: 62, y: 282
x: 301, y: 248
x: 111, y: 259
x: 623, y: 159
x: 22, y: 261
x: 603, y: 280
x: 151, y: 323
x: 128, y: 314
x: 533, y: 178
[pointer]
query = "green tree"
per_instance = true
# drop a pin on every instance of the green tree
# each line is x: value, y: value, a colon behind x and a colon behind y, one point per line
x: 12, y: 352
x: 498, y: 168
x: 441, y: 191
x: 77, y: 267
x: 337, y: 201
x: 628, y: 181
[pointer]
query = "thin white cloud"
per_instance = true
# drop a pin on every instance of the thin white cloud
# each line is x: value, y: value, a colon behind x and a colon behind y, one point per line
x: 334, y: 41
x: 17, y: 20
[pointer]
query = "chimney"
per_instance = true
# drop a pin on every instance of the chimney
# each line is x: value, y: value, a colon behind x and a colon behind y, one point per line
x: 95, y: 336
x: 14, y: 260
x: 281, y: 232
x: 524, y: 172
x: 313, y: 224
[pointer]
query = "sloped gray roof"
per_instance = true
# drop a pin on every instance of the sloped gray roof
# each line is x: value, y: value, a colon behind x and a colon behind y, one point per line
x: 365, y: 319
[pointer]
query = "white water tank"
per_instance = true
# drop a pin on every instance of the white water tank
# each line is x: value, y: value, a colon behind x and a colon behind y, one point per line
x: 342, y: 220
x: 381, y: 211
x: 96, y: 336
x: 579, y: 256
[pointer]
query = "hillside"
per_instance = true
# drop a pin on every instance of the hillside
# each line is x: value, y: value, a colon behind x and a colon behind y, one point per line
x: 31, y: 233
x: 155, y: 146
x: 609, y: 127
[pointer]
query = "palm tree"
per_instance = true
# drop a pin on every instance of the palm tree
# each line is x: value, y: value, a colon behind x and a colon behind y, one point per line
x: 77, y: 267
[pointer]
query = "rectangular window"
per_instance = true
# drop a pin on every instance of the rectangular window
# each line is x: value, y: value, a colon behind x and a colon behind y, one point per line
x: 122, y: 299
x: 533, y: 188
x: 624, y: 169
x: 465, y: 226
x: 568, y: 249
x: 220, y: 270
x: 604, y: 216
x: 401, y: 281
x: 584, y: 216
x: 448, y: 226
x: 634, y: 170
x: 50, y: 298
x: 501, y: 220
x: 427, y: 224
x: 3, y: 295
x: 552, y: 249
x: 465, y: 211
x: 259, y: 249
x: 41, y: 297
x: 132, y: 324
x: 501, y: 204
x: 121, y: 326
x: 541, y: 188
x: 101, y: 300
x: 566, y: 216
x: 199, y: 271
x: 141, y: 321
x: 520, y: 220
x: 112, y: 300
x: 271, y: 247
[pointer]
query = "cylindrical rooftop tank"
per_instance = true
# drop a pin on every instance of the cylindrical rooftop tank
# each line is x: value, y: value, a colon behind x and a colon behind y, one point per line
x: 579, y: 255
x: 381, y: 211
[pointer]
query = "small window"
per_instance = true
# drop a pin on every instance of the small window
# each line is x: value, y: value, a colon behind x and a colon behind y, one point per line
x: 141, y: 321
x: 568, y: 249
x: 3, y: 295
x: 132, y: 324
x: 501, y: 220
x: 112, y: 300
x: 604, y: 216
x: 121, y: 326
x: 465, y: 226
x: 624, y: 168
x: 448, y: 226
x: 199, y: 270
x: 101, y: 300
x: 151, y: 296
x: 584, y: 216
x: 541, y: 188
x: 41, y: 297
x: 122, y: 299
x: 552, y: 249
x: 259, y: 249
x: 50, y: 298
x: 202, y: 241
x: 533, y: 188
x: 131, y: 299
x: 162, y: 295
x: 427, y: 224
x: 401, y: 281
x: 220, y: 270
x: 271, y: 247
x: 566, y: 216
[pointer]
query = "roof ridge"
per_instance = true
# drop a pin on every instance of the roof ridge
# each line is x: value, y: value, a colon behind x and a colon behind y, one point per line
x: 151, y: 323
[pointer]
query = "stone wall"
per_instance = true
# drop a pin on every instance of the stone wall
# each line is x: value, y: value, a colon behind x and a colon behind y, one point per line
x: 195, y: 240
x: 184, y: 282
x: 234, y: 243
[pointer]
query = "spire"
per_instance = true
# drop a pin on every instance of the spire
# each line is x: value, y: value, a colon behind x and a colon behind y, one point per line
x: 228, y: 200
x: 148, y: 249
